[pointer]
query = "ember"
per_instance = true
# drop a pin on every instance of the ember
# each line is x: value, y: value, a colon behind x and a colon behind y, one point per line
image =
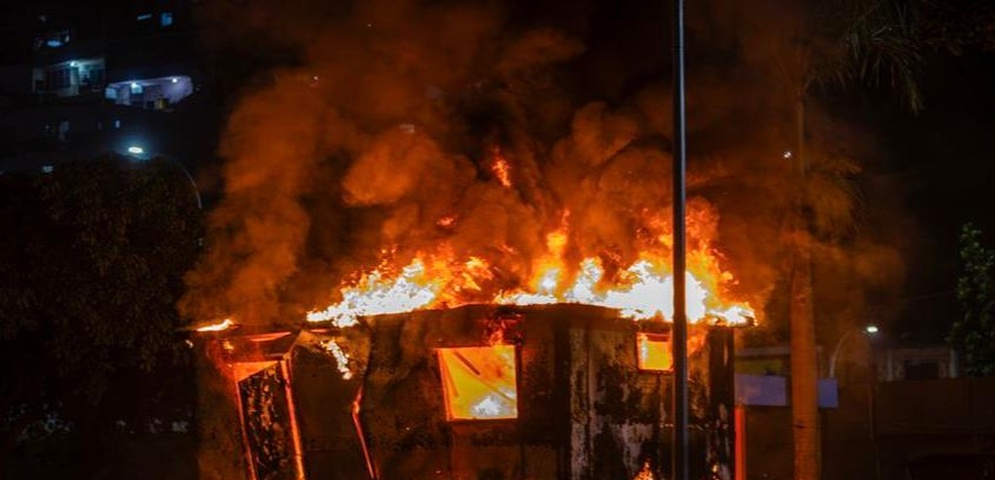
x: 341, y: 358
x: 501, y: 169
x: 645, y: 473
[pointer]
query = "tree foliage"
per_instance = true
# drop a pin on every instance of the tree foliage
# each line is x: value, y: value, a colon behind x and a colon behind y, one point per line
x: 845, y: 42
x: 973, y: 335
x: 91, y: 262
x: 870, y: 42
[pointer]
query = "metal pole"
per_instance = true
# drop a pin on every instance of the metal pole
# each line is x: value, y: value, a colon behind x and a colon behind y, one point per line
x: 679, y: 458
x: 836, y: 352
x: 196, y: 191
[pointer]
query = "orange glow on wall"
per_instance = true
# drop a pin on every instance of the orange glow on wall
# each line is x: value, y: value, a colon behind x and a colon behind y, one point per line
x: 654, y: 352
x: 739, y: 432
x: 479, y: 383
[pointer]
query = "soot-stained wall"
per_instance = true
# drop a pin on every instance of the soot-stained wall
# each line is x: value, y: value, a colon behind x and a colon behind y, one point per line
x: 585, y: 410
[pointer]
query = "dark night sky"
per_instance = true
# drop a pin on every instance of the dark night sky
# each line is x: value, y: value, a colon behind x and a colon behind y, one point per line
x: 945, y: 158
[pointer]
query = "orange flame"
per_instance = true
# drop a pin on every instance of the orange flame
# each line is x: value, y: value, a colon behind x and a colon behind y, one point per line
x: 641, y: 290
x: 446, y: 222
x: 341, y: 358
x: 501, y: 168
x: 645, y: 473
x: 217, y: 327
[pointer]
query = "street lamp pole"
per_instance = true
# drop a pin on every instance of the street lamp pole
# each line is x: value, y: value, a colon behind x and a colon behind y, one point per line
x: 186, y: 173
x: 137, y: 152
x: 868, y: 330
x: 679, y: 458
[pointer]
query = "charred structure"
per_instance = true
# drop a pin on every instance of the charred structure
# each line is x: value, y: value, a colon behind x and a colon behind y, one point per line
x: 373, y: 401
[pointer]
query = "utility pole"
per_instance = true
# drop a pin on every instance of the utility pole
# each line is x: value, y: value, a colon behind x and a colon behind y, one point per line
x: 679, y: 459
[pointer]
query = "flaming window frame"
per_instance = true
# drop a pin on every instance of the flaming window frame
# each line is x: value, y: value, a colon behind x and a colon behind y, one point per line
x: 460, y: 357
x: 654, y: 340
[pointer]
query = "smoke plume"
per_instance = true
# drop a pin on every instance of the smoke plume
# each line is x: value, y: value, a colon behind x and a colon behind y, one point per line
x: 374, y: 129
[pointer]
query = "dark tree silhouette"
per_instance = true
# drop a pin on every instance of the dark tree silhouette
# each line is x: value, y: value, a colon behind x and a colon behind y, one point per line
x: 973, y: 335
x: 92, y: 256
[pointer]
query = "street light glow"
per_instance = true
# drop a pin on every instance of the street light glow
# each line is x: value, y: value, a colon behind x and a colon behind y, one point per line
x: 136, y: 150
x: 870, y: 330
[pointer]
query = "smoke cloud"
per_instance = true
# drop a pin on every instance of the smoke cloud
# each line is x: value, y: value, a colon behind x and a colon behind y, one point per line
x: 372, y: 128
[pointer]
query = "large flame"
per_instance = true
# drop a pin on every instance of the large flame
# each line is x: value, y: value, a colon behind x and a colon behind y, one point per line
x: 642, y: 290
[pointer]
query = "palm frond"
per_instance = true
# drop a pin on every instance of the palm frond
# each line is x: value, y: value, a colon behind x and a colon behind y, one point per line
x: 872, y: 42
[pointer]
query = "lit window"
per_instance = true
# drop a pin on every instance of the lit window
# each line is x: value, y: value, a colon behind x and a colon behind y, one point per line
x: 165, y: 19
x: 479, y: 383
x: 654, y: 352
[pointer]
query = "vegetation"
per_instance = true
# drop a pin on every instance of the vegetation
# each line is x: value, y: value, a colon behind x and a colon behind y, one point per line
x: 91, y: 262
x: 847, y: 42
x: 974, y: 334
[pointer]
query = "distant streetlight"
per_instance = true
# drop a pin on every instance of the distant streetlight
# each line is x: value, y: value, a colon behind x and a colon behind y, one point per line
x: 138, y: 153
x: 869, y: 330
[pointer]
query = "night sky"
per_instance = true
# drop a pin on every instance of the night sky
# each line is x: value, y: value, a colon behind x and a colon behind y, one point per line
x: 945, y: 160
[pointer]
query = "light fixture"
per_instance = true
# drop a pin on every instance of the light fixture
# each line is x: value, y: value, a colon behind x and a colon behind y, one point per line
x: 134, y: 84
x: 136, y: 150
x: 174, y: 80
x: 871, y: 329
x: 73, y: 63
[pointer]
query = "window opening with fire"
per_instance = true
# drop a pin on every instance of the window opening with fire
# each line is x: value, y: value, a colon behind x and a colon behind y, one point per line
x: 479, y: 383
x: 654, y: 352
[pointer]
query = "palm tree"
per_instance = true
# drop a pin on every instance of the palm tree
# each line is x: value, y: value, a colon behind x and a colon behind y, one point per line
x: 848, y: 42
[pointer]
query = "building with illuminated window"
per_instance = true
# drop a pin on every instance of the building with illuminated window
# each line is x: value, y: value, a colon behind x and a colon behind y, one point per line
x: 88, y: 79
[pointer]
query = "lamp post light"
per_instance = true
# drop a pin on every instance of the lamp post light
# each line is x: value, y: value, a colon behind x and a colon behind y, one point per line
x: 869, y: 330
x: 138, y: 152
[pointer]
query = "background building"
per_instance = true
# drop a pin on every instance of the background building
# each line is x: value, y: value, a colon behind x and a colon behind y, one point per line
x: 79, y: 79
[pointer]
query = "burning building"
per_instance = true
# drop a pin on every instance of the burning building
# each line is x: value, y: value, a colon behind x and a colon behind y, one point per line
x: 474, y: 259
x: 477, y: 392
